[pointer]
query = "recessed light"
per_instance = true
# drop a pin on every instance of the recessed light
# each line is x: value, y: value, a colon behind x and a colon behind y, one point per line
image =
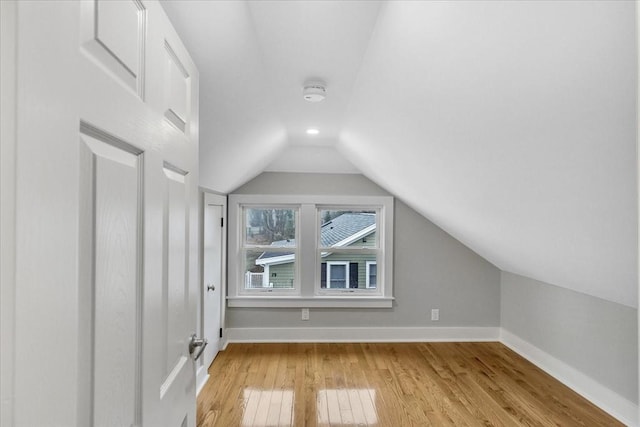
x: 312, y: 131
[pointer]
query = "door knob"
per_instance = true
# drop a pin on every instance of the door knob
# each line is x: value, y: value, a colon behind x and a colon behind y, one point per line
x: 195, y: 342
x: 211, y: 287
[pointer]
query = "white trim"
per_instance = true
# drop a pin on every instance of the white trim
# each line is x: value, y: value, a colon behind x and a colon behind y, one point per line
x: 345, y: 264
x: 239, y: 246
x: 266, y: 274
x: 367, y: 273
x: 282, y: 259
x: 368, y: 334
x: 173, y: 375
x: 224, y: 342
x: 325, y: 200
x: 267, y: 288
x: 307, y: 277
x: 601, y: 396
x: 328, y: 291
x: 282, y: 301
x: 202, y: 379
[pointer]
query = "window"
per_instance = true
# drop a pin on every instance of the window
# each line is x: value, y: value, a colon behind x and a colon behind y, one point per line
x: 372, y: 273
x: 269, y: 249
x: 337, y: 275
x: 334, y: 275
x: 347, y: 244
x: 310, y: 251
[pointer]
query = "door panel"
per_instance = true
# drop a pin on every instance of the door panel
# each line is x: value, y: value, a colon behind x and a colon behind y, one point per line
x: 113, y: 34
x: 112, y: 195
x: 117, y: 26
x: 115, y: 293
x: 177, y: 89
x: 176, y: 256
x: 175, y: 249
x: 106, y: 222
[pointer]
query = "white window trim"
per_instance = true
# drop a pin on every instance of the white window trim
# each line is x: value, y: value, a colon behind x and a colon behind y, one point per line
x: 320, y: 291
x: 343, y: 247
x: 308, y: 256
x: 287, y: 257
x: 265, y: 277
x: 368, y: 275
x: 282, y: 259
x: 330, y: 265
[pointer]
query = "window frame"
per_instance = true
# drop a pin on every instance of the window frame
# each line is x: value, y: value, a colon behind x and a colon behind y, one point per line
x: 330, y: 265
x: 349, y: 250
x: 368, y: 273
x: 307, y: 293
x: 285, y: 250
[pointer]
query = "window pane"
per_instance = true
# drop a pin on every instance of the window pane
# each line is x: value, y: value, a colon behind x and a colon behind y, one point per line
x: 269, y: 270
x: 352, y: 270
x: 347, y: 228
x: 372, y: 275
x: 337, y: 276
x: 275, y: 227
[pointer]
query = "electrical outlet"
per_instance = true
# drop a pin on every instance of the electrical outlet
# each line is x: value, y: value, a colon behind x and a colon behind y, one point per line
x: 435, y: 314
x: 305, y: 314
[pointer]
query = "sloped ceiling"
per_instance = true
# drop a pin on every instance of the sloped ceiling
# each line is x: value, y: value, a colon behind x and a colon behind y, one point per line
x: 511, y: 125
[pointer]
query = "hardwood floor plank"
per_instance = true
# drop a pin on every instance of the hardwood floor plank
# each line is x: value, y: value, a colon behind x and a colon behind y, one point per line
x: 399, y: 384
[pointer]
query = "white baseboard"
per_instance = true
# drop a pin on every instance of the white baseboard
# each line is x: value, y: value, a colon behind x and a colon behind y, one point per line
x: 408, y: 334
x: 224, y: 342
x: 609, y: 401
x: 202, y: 376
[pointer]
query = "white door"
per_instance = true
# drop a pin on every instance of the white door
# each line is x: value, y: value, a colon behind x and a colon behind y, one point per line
x: 213, y: 280
x: 106, y: 216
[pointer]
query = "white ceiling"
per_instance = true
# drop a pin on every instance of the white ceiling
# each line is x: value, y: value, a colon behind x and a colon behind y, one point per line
x: 511, y: 125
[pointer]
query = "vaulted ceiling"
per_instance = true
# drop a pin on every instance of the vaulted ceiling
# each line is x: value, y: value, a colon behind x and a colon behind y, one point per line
x: 511, y: 125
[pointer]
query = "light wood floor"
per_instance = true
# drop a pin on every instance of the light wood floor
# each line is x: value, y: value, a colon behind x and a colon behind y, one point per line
x: 413, y: 384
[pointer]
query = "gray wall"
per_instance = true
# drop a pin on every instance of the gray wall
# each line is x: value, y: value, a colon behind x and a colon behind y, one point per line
x: 431, y: 269
x: 595, y: 336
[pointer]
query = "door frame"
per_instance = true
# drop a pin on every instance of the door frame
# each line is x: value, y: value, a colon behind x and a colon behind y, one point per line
x: 208, y: 196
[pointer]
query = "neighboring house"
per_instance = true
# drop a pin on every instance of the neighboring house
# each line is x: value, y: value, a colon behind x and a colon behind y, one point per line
x: 339, y: 270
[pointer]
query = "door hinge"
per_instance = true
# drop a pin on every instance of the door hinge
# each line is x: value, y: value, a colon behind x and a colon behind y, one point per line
x: 221, y: 222
x: 220, y: 332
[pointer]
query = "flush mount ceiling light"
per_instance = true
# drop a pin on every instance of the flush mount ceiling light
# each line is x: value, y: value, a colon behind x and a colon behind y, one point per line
x: 312, y: 131
x: 314, y: 91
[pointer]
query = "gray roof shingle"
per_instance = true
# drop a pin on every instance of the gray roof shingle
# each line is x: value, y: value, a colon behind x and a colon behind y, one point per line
x: 332, y: 232
x: 344, y: 226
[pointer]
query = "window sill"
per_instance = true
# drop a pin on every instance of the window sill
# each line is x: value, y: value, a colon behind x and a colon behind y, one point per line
x: 311, y: 302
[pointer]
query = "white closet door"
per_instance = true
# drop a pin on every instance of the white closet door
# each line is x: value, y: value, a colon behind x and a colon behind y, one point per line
x: 213, y: 279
